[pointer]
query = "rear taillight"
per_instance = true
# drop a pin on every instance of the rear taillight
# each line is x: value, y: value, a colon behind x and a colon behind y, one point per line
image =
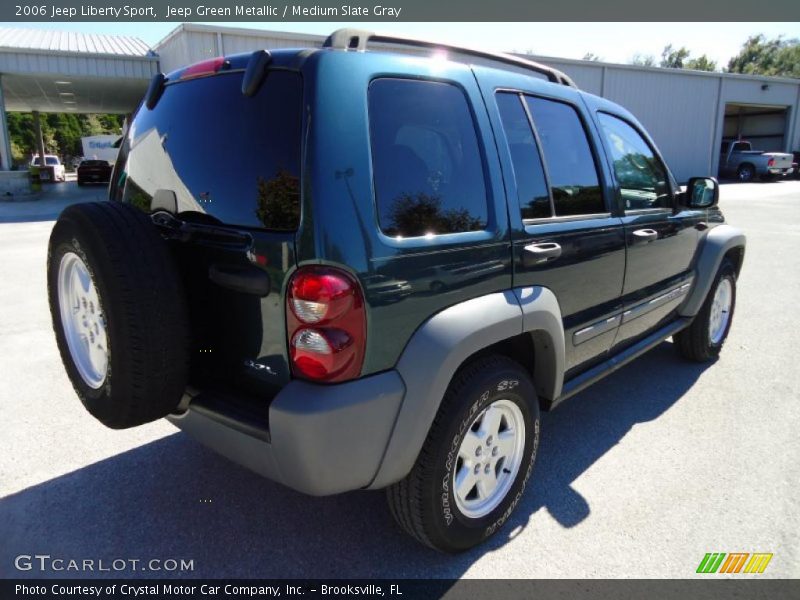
x: 771, y: 162
x: 326, y: 324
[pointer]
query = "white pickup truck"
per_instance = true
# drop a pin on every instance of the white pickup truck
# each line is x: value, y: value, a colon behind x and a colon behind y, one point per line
x: 738, y: 159
x: 52, y: 161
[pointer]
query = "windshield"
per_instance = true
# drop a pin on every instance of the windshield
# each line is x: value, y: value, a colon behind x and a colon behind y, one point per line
x: 221, y: 153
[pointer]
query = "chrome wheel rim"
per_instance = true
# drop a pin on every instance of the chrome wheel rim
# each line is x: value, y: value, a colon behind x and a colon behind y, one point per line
x: 489, y: 459
x: 720, y: 311
x: 83, y: 320
x: 745, y: 175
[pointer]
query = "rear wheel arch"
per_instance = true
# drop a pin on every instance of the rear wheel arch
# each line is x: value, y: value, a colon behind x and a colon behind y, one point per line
x: 509, y: 323
x: 535, y: 351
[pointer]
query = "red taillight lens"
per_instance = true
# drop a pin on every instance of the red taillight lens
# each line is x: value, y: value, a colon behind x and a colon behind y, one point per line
x: 771, y: 162
x: 326, y: 324
x: 207, y: 67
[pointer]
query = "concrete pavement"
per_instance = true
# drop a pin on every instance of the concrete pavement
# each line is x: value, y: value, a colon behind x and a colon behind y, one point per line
x: 638, y: 476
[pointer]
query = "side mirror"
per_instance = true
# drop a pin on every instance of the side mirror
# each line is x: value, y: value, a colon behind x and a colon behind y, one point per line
x: 702, y: 192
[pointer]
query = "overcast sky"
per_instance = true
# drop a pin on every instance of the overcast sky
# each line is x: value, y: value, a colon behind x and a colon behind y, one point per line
x: 612, y: 42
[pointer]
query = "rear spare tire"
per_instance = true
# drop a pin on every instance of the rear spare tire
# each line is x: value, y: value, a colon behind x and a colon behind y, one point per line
x: 119, y: 313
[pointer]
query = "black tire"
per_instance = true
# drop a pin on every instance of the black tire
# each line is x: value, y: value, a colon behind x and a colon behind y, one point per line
x: 694, y: 343
x: 745, y: 173
x: 142, y: 301
x: 423, y: 503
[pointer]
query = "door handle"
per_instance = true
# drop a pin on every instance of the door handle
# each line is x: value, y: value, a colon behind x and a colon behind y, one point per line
x: 645, y: 235
x: 543, y: 252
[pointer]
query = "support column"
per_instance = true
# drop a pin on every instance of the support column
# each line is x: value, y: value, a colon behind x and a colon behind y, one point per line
x: 37, y: 128
x: 5, y: 141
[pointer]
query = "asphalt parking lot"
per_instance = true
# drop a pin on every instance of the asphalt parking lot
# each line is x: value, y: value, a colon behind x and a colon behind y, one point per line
x: 638, y: 476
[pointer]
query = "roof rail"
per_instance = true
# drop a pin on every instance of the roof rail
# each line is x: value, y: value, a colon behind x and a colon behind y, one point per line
x: 357, y: 39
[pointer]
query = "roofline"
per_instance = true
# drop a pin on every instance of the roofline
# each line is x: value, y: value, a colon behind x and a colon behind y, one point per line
x: 662, y: 70
x: 310, y: 37
x: 73, y: 53
x: 247, y: 32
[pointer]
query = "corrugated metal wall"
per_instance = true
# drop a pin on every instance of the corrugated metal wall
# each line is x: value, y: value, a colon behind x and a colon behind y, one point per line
x: 31, y: 63
x: 683, y: 112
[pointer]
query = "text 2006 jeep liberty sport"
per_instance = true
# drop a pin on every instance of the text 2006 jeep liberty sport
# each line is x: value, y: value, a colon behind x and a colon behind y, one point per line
x: 350, y: 269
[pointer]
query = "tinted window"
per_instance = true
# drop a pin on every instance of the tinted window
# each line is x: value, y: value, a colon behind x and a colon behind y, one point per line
x: 641, y: 177
x: 94, y: 163
x: 426, y: 159
x: 534, y: 200
x: 570, y: 163
x: 234, y: 158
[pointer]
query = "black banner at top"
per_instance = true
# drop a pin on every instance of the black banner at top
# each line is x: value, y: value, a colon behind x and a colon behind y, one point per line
x: 396, y: 10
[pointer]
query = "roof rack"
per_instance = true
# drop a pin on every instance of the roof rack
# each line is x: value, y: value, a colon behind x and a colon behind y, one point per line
x: 357, y: 39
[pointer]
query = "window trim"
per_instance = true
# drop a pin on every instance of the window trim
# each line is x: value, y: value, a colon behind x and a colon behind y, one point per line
x: 618, y: 190
x: 593, y: 149
x: 459, y: 237
x: 566, y: 218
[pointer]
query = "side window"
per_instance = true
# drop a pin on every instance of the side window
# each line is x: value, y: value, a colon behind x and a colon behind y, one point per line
x: 570, y: 163
x: 641, y: 177
x: 426, y: 159
x: 534, y: 201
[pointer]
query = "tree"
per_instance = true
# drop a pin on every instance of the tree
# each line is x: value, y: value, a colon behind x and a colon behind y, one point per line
x: 673, y: 59
x: 92, y: 125
x: 643, y: 60
x: 62, y: 132
x: 761, y: 56
x: 592, y: 57
x: 701, y: 63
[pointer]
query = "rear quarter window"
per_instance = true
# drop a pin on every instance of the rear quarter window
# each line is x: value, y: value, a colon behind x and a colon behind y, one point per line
x: 224, y: 155
x: 427, y: 163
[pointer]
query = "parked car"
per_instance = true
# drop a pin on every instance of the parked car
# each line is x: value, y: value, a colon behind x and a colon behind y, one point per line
x: 796, y: 164
x: 94, y: 171
x: 236, y: 299
x: 740, y: 160
x: 59, y: 173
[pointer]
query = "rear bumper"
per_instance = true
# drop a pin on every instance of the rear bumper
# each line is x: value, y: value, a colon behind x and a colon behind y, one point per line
x: 321, y: 439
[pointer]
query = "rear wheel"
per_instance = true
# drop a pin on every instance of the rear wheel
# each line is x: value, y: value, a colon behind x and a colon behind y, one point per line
x: 119, y: 313
x: 474, y: 466
x: 745, y: 173
x: 702, y: 341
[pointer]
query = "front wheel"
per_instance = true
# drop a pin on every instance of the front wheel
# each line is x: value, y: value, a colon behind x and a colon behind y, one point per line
x: 703, y: 339
x: 476, y: 461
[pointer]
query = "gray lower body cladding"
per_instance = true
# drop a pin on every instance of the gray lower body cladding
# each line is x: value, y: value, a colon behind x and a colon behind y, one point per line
x: 322, y: 439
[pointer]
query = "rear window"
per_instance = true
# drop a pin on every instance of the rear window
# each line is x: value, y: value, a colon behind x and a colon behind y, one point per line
x: 233, y: 158
x: 49, y: 161
x: 427, y: 162
x: 94, y: 163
